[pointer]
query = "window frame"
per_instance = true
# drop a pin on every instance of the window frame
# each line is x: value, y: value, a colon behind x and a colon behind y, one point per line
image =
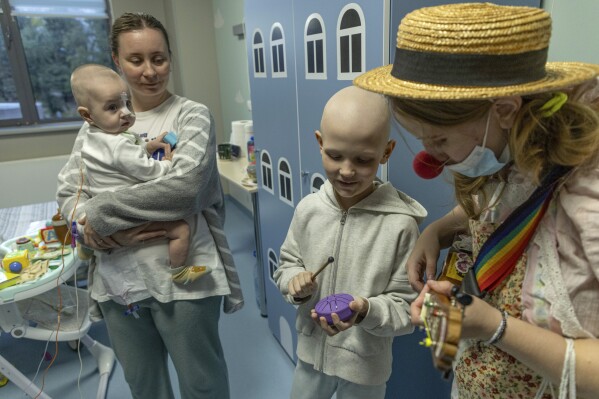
x: 313, y: 39
x: 29, y: 122
x: 258, y: 50
x: 266, y: 170
x: 316, y: 176
x: 278, y: 52
x: 349, y: 34
x: 285, y: 182
x: 273, y: 264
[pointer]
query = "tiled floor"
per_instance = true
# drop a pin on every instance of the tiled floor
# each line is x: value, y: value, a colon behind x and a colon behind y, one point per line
x: 258, y: 366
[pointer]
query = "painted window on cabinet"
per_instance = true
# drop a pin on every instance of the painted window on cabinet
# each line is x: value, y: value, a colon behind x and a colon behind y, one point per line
x: 285, y: 182
x: 273, y: 264
x: 266, y: 171
x: 277, y: 45
x: 351, y: 42
x: 315, y: 48
x: 316, y: 182
x: 258, y: 55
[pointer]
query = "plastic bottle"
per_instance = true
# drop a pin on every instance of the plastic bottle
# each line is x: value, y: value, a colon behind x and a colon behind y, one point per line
x: 61, y: 229
x: 251, y: 153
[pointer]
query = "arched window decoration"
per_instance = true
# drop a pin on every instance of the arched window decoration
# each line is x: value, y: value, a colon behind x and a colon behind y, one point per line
x: 266, y: 170
x: 351, y: 48
x: 277, y: 45
x: 315, y: 48
x: 273, y: 264
x: 316, y: 182
x: 285, y: 182
x: 258, y: 55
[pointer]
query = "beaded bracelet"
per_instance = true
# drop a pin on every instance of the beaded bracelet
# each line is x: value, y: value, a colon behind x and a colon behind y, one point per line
x: 500, y: 330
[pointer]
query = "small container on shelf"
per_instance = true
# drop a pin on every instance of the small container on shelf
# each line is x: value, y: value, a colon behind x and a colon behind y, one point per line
x: 251, y: 152
x: 224, y: 151
x: 251, y: 171
x: 25, y: 243
x: 61, y: 228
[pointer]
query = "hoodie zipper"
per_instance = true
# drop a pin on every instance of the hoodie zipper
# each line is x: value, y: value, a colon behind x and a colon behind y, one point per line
x: 333, y: 279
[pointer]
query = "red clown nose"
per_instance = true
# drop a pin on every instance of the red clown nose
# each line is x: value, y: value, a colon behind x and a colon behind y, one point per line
x: 427, y: 166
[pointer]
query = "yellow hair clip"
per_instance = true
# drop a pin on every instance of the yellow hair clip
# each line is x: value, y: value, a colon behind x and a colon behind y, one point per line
x: 553, y: 104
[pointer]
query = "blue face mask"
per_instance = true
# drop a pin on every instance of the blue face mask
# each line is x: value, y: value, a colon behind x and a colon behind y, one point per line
x: 481, y: 161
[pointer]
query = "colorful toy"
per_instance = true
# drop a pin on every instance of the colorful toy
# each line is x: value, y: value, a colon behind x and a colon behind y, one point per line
x: 15, y: 267
x: 11, y: 260
x: 48, y: 235
x: 25, y: 243
x: 336, y: 303
x: 169, y: 138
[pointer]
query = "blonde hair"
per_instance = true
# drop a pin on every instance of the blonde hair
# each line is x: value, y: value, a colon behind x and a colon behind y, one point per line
x: 569, y: 137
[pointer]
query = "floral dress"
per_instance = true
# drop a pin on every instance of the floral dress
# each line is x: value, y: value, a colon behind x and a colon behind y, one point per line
x: 483, y: 371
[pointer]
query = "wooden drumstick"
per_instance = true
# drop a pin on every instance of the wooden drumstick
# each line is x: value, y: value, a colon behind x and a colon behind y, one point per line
x: 328, y: 262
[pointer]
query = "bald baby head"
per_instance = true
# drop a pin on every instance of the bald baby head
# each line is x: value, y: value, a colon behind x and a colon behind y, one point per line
x: 357, y: 112
x: 89, y: 80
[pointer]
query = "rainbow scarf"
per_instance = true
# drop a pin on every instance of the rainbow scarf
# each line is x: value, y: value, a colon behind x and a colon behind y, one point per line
x: 500, y: 253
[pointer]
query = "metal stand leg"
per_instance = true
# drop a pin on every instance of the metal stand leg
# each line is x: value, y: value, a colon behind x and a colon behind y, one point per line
x: 19, y: 379
x: 105, y: 358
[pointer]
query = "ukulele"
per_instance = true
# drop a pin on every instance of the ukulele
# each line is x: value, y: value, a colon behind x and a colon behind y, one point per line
x: 442, y: 318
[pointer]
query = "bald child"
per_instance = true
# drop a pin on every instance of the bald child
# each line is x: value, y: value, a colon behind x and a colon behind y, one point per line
x: 369, y: 228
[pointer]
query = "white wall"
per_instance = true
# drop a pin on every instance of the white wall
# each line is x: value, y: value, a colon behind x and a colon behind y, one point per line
x: 575, y: 33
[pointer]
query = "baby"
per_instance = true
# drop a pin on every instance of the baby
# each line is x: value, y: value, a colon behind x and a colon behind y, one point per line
x: 115, y: 158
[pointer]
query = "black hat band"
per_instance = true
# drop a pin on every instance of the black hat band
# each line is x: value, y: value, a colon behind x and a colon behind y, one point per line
x: 486, y: 70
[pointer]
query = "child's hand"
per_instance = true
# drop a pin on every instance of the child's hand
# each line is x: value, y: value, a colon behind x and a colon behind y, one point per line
x: 168, y: 153
x: 360, y: 307
x: 157, y: 143
x: 301, y: 285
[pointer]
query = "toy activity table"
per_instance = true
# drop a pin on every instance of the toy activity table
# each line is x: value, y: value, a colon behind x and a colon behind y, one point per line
x: 26, y: 312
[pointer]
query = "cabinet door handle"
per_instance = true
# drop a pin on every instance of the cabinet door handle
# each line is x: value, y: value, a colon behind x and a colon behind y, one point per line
x: 305, y: 173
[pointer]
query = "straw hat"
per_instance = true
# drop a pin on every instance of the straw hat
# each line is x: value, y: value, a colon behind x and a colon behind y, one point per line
x: 473, y: 51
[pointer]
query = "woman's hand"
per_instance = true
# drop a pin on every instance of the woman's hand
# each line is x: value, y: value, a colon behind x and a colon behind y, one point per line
x: 423, y: 258
x: 416, y: 306
x: 93, y: 239
x: 360, y: 308
x: 480, y: 320
x: 137, y: 235
x: 129, y: 237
